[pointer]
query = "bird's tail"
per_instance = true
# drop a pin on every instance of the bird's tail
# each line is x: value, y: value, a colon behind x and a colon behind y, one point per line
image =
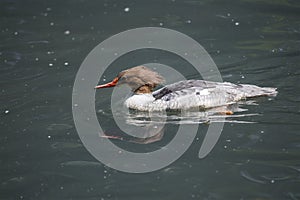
x: 254, y: 91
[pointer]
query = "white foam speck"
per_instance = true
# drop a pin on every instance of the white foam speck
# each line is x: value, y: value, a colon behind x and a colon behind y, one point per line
x: 67, y: 32
x: 126, y: 9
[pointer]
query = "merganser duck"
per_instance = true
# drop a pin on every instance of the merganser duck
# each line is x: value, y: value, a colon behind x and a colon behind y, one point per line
x: 182, y: 95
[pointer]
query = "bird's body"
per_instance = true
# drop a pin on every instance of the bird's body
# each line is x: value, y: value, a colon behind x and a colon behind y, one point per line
x: 182, y: 95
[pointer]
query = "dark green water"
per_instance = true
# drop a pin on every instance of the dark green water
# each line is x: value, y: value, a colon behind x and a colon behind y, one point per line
x: 43, y: 44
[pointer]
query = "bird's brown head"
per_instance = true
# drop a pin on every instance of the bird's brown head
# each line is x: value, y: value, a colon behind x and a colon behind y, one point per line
x: 140, y: 79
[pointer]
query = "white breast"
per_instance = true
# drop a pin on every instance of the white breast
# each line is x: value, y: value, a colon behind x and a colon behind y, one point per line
x: 140, y: 102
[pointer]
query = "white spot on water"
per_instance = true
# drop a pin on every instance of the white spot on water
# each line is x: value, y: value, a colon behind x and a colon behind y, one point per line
x: 36, y: 59
x: 51, y: 23
x: 50, y: 64
x: 49, y: 136
x: 189, y: 21
x: 6, y: 112
x: 272, y: 181
x: 126, y: 9
x: 16, y: 33
x: 66, y: 64
x: 236, y: 23
x: 67, y: 32
x: 161, y: 24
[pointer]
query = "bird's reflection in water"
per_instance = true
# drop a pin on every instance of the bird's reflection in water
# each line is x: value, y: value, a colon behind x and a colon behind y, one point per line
x: 148, y: 127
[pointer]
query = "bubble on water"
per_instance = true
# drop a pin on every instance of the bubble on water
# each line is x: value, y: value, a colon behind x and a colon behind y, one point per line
x: 236, y: 23
x: 189, y: 21
x: 50, y: 64
x: 66, y: 64
x: 36, y: 59
x: 126, y: 9
x: 6, y: 111
x: 161, y: 24
x: 49, y: 136
x: 16, y: 33
x: 67, y: 32
x: 51, y: 23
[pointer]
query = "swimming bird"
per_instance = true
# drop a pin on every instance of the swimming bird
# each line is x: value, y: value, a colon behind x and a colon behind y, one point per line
x: 182, y: 95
